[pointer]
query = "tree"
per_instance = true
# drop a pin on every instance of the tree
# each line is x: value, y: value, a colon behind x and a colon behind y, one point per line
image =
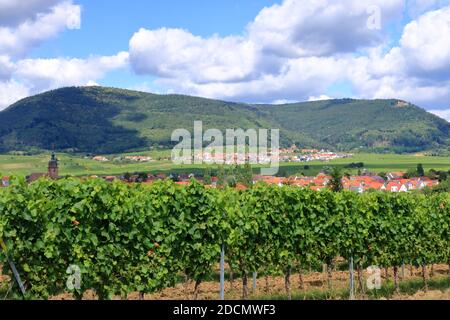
x: 383, y: 175
x: 335, y: 183
x: 221, y: 176
x: 442, y: 187
x: 411, y: 173
x: 231, y: 176
x: 443, y: 176
x: 245, y: 175
x: 142, y: 177
x: 420, y: 171
x: 207, y: 176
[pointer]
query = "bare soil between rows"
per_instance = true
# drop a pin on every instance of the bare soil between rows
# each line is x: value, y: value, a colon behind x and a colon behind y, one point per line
x: 269, y: 287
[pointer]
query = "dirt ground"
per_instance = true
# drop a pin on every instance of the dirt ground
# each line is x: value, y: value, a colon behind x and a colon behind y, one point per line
x: 429, y: 295
x: 275, y: 287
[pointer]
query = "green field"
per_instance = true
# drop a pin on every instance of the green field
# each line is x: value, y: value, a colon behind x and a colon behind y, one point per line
x: 78, y: 165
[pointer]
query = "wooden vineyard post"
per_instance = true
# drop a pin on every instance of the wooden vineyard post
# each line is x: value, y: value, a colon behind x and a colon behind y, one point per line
x: 352, y: 284
x: 222, y: 273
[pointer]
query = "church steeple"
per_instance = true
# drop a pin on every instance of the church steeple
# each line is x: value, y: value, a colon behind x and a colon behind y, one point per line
x: 53, y: 167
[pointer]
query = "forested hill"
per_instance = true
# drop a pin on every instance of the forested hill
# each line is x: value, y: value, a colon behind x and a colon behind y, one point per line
x: 107, y: 120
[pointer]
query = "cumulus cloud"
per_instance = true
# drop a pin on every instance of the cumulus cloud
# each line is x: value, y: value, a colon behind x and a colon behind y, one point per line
x: 25, y: 25
x: 53, y: 73
x: 37, y: 75
x: 425, y: 44
x: 173, y: 53
x: 18, y: 41
x: 297, y: 50
x: 287, y: 52
x: 417, y: 70
x: 13, y: 12
x: 444, y: 114
x: 294, y: 50
x: 10, y: 92
x: 321, y: 27
x: 6, y: 67
x: 319, y: 98
x: 298, y: 79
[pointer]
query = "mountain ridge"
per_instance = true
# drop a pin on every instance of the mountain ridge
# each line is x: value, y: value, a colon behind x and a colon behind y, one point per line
x: 112, y: 120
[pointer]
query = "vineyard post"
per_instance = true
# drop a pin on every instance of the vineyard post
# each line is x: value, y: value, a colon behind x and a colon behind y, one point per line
x: 352, y: 285
x: 222, y: 273
x: 403, y: 271
x: 255, y: 275
x: 13, y: 267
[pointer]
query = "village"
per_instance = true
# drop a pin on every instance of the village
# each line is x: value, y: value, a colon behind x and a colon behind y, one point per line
x: 362, y: 182
x: 395, y: 181
x: 292, y: 154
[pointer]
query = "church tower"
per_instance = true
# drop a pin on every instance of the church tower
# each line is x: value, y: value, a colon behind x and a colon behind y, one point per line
x: 53, y: 167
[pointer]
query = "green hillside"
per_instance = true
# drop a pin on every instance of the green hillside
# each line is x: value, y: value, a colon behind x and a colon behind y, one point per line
x: 107, y: 120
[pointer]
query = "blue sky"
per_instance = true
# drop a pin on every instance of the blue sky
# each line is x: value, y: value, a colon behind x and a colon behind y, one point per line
x: 108, y: 25
x: 251, y: 51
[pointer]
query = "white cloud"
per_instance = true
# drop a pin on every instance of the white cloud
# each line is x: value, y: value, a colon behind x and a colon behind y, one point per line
x: 444, y: 114
x: 91, y: 83
x: 36, y: 75
x: 171, y: 53
x: 425, y: 44
x: 320, y: 27
x: 6, y: 67
x: 292, y: 51
x: 44, y: 74
x: 298, y: 79
x: 320, y: 98
x: 13, y: 12
x: 18, y: 41
x: 283, y: 101
x: 28, y: 24
x: 10, y: 92
x: 417, y: 70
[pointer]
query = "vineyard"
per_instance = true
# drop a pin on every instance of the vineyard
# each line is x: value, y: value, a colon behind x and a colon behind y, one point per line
x: 144, y: 238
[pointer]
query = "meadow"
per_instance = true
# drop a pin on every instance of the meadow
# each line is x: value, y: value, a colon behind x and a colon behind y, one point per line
x: 76, y: 165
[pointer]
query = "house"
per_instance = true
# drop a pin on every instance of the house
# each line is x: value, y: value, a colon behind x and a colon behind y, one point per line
x: 100, y: 159
x: 274, y: 180
x: 182, y: 183
x: 374, y: 186
x: 5, y: 182
x: 395, y: 175
x: 138, y: 158
x: 161, y: 176
x: 357, y: 188
x: 393, y: 186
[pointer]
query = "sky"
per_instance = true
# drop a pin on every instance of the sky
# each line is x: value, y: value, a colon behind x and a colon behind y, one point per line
x: 256, y: 51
